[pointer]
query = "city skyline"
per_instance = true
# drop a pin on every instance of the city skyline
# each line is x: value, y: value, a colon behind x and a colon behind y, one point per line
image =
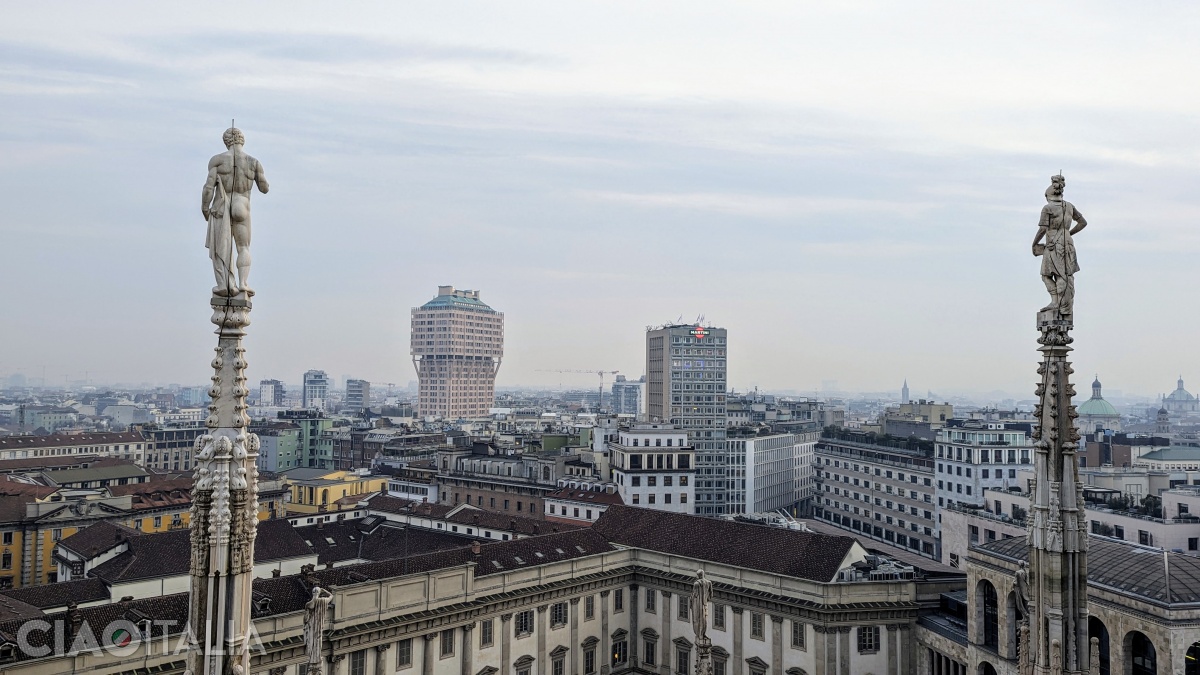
x: 849, y: 240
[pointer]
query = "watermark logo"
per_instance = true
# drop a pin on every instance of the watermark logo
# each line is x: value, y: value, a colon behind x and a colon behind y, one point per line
x: 121, y: 638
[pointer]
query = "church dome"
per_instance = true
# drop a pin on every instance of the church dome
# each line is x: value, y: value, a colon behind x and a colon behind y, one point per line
x: 1097, y: 407
x: 1180, y: 394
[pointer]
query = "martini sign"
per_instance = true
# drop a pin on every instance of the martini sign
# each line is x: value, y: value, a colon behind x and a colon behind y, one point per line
x: 699, y: 332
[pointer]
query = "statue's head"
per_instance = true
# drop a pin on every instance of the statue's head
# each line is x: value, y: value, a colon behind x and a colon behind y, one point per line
x: 233, y: 136
x: 699, y: 574
x: 1055, y: 191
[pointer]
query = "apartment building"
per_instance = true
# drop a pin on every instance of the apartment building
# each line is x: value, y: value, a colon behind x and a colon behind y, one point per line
x: 128, y: 445
x: 655, y: 468
x: 976, y: 455
x: 498, y: 478
x: 879, y: 492
x: 769, y: 470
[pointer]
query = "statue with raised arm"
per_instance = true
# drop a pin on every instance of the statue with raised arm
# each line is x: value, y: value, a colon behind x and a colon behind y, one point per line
x: 1059, y: 221
x: 314, y: 627
x: 698, y: 605
x: 225, y: 204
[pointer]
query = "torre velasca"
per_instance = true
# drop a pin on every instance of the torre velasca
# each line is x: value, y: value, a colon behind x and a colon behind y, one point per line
x: 457, y: 345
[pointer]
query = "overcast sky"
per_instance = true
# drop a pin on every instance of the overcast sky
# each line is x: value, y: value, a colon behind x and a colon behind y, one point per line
x: 850, y: 188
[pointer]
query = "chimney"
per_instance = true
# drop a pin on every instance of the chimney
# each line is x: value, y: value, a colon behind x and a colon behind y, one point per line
x: 275, y: 573
x: 475, y: 548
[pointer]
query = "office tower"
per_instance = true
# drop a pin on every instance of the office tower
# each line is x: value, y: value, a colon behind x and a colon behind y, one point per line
x: 316, y: 389
x: 904, y: 392
x: 457, y: 345
x: 358, y: 395
x: 685, y: 386
x: 628, y: 396
x: 270, y: 393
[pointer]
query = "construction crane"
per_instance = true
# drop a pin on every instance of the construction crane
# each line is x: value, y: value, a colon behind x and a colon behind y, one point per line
x: 389, y: 385
x: 601, y: 373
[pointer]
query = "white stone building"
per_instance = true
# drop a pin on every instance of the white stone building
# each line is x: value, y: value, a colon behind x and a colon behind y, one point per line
x: 769, y: 471
x: 655, y: 468
x: 975, y: 455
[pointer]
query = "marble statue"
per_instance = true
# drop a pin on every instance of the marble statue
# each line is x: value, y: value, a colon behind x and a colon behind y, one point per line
x: 1059, y: 263
x: 225, y: 203
x: 699, y: 605
x: 314, y: 626
x: 1023, y: 588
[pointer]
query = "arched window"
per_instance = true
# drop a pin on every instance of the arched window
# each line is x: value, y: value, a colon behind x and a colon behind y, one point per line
x: 1191, y: 660
x: 986, y: 668
x: 1143, y: 659
x: 325, y: 496
x: 988, y: 613
x: 1013, y: 617
x: 1097, y: 629
x: 545, y: 473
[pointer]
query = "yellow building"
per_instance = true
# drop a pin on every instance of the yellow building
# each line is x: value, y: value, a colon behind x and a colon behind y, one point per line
x: 326, y: 490
x: 34, y: 518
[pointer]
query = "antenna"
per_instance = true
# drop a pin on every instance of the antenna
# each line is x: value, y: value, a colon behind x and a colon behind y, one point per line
x: 231, y: 123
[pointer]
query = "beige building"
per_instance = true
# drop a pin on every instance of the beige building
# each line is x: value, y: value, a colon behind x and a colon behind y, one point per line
x: 457, y: 345
x: 609, y: 599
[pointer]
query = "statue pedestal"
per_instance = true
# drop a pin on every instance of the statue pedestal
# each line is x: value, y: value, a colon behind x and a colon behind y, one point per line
x: 704, y: 665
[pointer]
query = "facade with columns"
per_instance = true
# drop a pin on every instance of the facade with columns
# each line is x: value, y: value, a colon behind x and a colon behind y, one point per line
x: 581, y: 602
x: 1143, y: 610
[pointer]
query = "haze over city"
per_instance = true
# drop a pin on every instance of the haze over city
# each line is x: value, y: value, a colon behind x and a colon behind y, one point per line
x: 851, y: 191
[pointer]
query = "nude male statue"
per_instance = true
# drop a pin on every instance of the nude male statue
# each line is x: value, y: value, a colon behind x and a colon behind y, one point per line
x: 1059, y: 263
x: 225, y: 204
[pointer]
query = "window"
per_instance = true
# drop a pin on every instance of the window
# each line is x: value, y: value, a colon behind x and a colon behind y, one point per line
x: 798, y: 635
x: 1193, y: 544
x: 404, y: 653
x: 718, y: 666
x: 358, y: 662
x: 8, y: 538
x: 619, y: 600
x: 718, y: 616
x: 157, y: 522
x: 683, y: 661
x: 651, y: 600
x: 589, y: 607
x: 6, y: 560
x: 523, y: 623
x: 684, y: 609
x: 868, y: 639
x: 589, y: 660
x: 649, y: 652
x: 447, y: 640
x: 620, y: 652
x: 1118, y: 531
x: 756, y: 626
x: 487, y: 634
x: 558, y: 614
x: 556, y: 666
x: 57, y: 533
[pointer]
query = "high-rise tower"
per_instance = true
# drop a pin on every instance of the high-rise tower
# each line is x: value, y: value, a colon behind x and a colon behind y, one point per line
x: 904, y: 392
x: 685, y: 386
x: 316, y: 389
x: 457, y: 345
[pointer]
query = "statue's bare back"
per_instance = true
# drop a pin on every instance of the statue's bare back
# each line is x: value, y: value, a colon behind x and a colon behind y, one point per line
x: 225, y: 203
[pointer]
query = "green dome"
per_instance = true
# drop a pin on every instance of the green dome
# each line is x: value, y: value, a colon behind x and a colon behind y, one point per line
x: 1097, y: 407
